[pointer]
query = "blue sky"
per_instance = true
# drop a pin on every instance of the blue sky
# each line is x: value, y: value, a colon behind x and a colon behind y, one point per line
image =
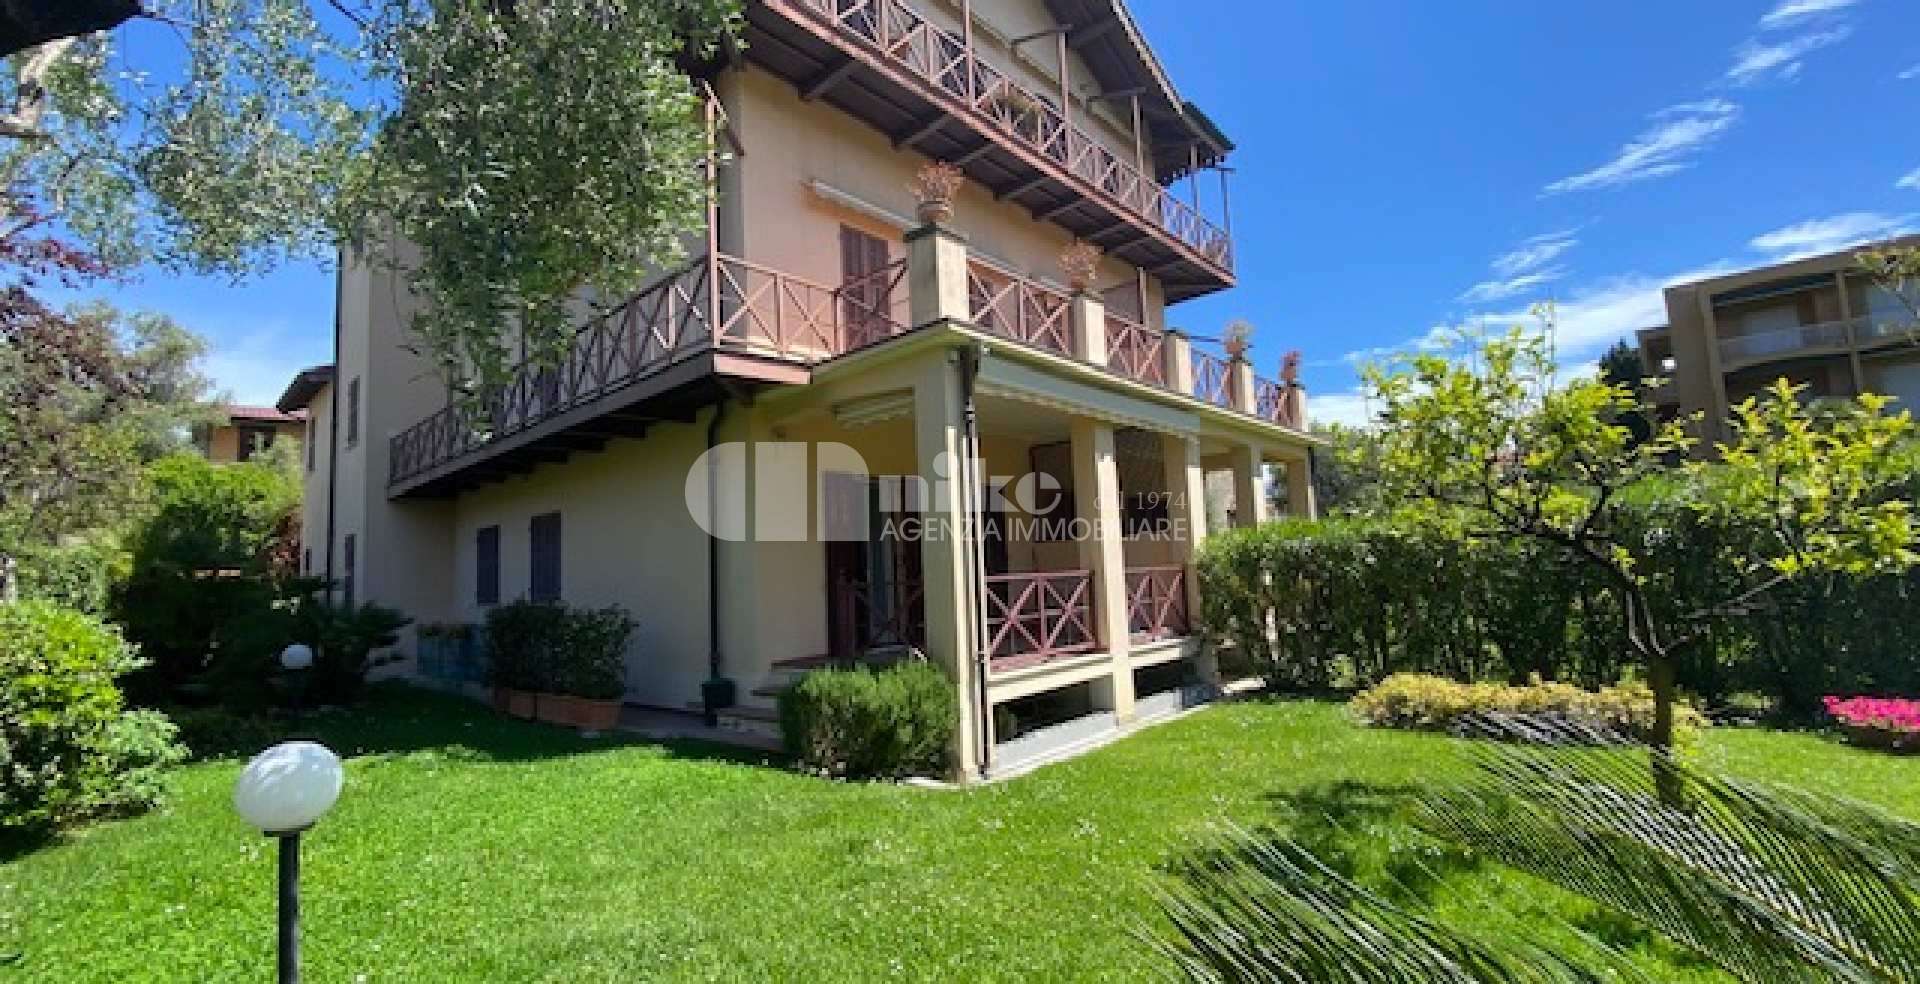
x: 1409, y: 164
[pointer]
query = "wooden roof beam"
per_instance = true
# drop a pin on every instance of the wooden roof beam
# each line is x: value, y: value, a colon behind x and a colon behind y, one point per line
x: 1081, y: 37
x: 922, y: 130
x: 824, y: 82
x: 1023, y: 187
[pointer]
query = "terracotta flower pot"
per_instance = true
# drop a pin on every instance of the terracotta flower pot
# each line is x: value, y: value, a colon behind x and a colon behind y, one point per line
x: 502, y: 700
x: 557, y: 709
x: 520, y: 704
x: 596, y: 715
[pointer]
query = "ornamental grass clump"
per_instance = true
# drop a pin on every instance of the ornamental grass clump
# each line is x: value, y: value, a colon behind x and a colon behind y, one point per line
x: 1421, y: 702
x: 1878, y: 722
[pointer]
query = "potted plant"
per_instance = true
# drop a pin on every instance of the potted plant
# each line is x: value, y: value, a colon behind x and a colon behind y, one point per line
x: 593, y: 669
x: 522, y: 637
x: 933, y: 189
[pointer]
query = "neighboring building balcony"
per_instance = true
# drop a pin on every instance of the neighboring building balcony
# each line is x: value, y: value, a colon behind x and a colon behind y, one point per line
x: 926, y: 86
x: 721, y: 323
x: 1823, y: 338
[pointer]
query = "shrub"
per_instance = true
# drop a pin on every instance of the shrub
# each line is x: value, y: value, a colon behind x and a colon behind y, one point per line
x: 1430, y: 703
x: 864, y: 723
x: 520, y: 637
x: 343, y: 639
x: 69, y: 750
x: 1878, y: 722
x: 590, y: 658
x: 78, y: 575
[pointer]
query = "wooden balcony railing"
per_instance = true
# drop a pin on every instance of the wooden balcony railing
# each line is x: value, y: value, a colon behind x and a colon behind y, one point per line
x: 1033, y: 618
x: 1212, y: 379
x: 894, y: 31
x: 889, y: 613
x: 1157, y: 602
x: 1136, y: 351
x: 757, y: 309
x: 1016, y: 307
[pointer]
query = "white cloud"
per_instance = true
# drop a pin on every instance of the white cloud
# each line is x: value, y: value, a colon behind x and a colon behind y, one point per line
x: 1755, y: 62
x: 1535, y: 253
x: 254, y: 367
x: 1816, y: 236
x: 1910, y: 180
x: 1678, y: 133
x: 1350, y: 408
x: 1792, y: 11
x: 1911, y: 73
x: 1500, y: 290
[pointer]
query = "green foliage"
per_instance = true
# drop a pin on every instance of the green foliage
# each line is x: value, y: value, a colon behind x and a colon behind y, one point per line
x: 863, y: 723
x: 552, y: 648
x: 79, y: 575
x: 69, y: 750
x: 1765, y: 882
x: 525, y: 151
x: 591, y: 658
x: 246, y: 670
x: 1498, y: 440
x: 1431, y: 703
x: 202, y: 546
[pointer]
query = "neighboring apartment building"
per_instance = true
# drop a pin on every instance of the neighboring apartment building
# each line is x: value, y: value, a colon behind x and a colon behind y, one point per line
x: 243, y: 432
x: 1818, y: 321
x: 824, y: 314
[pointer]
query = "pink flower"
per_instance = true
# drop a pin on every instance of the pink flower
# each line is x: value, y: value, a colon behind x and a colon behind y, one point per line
x: 1887, y: 713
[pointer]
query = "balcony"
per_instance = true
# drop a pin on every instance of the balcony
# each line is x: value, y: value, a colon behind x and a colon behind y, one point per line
x: 1827, y: 336
x: 721, y: 323
x: 925, y: 86
x: 665, y: 348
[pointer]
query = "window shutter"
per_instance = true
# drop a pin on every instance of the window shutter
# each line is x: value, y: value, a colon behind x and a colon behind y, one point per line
x: 486, y: 590
x: 544, y: 583
x: 313, y: 432
x: 353, y: 412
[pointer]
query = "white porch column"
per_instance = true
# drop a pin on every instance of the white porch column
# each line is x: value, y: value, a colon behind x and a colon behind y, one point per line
x: 1300, y: 501
x: 1186, y: 483
x: 1096, y: 498
x: 1249, y: 486
x: 939, y: 431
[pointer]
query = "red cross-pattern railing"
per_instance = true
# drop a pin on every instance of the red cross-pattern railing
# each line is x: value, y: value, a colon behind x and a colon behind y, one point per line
x: 897, y: 32
x: 1033, y: 618
x: 1270, y: 401
x: 1211, y: 375
x: 1015, y: 307
x: 1157, y: 602
x: 893, y: 613
x: 1136, y: 351
x: 760, y: 309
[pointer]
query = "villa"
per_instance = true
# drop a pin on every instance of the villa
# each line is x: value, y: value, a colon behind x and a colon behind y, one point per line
x: 935, y: 281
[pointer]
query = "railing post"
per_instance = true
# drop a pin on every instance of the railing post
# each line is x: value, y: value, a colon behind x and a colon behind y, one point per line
x: 1240, y: 384
x: 1096, y: 497
x: 1178, y: 353
x: 936, y: 254
x: 1086, y: 311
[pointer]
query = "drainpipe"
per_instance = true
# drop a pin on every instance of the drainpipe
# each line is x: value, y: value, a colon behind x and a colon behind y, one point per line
x: 718, y: 691
x: 976, y: 551
x: 333, y: 415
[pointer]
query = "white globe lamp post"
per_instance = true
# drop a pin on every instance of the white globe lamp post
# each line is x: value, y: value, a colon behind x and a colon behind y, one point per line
x: 283, y: 791
x: 297, y: 659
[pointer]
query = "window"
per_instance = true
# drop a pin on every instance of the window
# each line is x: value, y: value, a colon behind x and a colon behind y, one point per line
x: 865, y: 287
x: 251, y: 439
x: 313, y: 433
x: 486, y: 566
x: 348, y: 550
x: 543, y: 583
x: 306, y: 561
x: 353, y: 412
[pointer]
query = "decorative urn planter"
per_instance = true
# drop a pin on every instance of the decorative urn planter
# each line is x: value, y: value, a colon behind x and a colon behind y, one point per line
x: 1079, y: 261
x: 1290, y: 369
x: 1238, y: 338
x: 933, y: 189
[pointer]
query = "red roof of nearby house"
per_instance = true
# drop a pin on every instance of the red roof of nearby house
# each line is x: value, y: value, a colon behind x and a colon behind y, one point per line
x: 238, y: 412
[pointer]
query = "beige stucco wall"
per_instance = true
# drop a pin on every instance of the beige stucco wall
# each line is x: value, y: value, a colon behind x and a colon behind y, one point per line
x: 792, y: 144
x: 313, y: 530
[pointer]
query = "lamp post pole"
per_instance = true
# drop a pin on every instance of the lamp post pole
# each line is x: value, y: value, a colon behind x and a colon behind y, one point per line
x: 289, y: 908
x: 282, y: 793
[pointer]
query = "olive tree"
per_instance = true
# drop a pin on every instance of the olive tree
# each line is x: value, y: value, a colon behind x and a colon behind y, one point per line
x: 525, y: 149
x: 1495, y: 436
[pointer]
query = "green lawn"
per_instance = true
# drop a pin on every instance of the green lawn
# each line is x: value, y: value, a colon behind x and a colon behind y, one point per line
x: 470, y: 847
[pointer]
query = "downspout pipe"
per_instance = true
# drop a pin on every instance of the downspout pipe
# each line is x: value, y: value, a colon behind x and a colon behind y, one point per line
x: 717, y: 692
x: 975, y: 546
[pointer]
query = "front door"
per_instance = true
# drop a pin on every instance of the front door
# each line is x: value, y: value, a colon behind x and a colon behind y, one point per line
x: 875, y: 593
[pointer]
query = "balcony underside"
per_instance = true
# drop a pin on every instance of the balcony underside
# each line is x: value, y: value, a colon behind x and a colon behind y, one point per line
x: 674, y: 395
x: 830, y: 66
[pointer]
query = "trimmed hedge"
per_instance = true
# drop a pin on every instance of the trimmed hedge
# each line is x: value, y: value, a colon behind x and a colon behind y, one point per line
x: 548, y: 647
x: 1423, y: 702
x: 69, y: 748
x: 863, y: 723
